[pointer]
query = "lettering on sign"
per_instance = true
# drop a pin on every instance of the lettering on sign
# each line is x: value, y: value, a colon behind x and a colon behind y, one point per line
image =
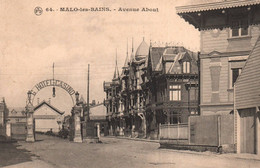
x: 52, y: 82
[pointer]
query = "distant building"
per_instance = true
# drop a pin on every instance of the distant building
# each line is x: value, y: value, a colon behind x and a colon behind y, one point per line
x: 97, y: 114
x: 170, y: 87
x: 17, y: 120
x: 47, y: 117
x: 158, y: 85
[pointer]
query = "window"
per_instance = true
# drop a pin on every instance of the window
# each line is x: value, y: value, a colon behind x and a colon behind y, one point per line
x: 193, y: 93
x: 235, y: 73
x: 239, y: 29
x: 186, y: 67
x: 175, y: 93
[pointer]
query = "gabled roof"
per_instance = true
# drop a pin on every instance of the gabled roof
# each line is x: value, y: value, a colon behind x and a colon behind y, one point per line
x: 202, y: 5
x: 155, y: 56
x: 49, y: 105
x: 247, y: 84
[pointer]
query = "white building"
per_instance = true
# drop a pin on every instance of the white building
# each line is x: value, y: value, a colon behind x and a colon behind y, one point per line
x: 47, y: 118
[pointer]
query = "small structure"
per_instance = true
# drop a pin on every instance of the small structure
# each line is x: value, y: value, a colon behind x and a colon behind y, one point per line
x: 47, y: 117
x: 247, y: 104
x: 17, y: 120
x: 97, y: 115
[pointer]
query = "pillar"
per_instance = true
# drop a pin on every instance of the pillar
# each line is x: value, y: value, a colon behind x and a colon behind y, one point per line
x: 98, y: 130
x: 144, y: 125
x: 8, y: 130
x: 29, y: 123
x: 77, y: 127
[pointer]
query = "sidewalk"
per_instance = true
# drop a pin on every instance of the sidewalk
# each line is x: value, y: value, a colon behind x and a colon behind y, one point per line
x: 242, y: 156
x: 135, y: 139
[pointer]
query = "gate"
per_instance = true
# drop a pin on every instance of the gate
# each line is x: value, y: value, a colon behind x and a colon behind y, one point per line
x: 18, y: 131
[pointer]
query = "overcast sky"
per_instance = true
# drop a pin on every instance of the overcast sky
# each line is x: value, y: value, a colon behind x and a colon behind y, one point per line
x: 29, y: 44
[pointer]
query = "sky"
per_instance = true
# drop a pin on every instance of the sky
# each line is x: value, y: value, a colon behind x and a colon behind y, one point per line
x: 30, y: 44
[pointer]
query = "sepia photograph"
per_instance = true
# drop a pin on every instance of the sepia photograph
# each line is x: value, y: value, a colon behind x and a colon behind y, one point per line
x: 130, y: 84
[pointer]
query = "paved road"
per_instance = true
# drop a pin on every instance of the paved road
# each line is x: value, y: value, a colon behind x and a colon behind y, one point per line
x: 51, y: 152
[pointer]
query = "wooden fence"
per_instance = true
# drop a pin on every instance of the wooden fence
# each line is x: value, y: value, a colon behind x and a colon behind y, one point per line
x: 174, y: 131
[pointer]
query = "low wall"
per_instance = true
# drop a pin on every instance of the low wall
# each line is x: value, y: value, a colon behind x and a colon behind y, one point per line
x: 214, y: 133
x: 174, y: 132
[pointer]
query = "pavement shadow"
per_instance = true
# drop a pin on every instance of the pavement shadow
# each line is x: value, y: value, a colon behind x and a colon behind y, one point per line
x: 11, y: 154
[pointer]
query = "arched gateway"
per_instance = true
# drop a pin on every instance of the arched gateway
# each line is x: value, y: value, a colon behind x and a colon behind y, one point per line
x: 53, y: 83
x: 76, y: 109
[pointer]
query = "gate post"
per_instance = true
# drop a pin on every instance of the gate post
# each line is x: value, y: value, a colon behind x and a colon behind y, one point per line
x: 29, y: 124
x: 29, y: 120
x: 77, y: 125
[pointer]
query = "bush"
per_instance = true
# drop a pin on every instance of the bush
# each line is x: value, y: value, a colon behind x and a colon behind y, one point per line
x: 50, y: 133
x: 64, y: 133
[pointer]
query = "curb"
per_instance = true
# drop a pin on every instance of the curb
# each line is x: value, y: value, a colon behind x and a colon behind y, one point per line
x: 230, y: 156
x: 134, y: 139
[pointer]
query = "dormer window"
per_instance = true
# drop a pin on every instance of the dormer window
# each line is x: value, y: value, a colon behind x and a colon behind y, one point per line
x: 186, y: 67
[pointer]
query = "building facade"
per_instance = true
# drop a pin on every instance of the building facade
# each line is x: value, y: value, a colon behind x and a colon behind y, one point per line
x: 228, y: 32
x: 158, y: 85
x: 170, y: 86
x: 47, y: 117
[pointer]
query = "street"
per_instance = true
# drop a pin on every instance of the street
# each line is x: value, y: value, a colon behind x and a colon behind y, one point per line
x: 51, y: 152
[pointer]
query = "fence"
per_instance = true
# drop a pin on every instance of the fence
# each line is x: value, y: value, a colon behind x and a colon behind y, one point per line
x: 174, y: 131
x: 214, y: 130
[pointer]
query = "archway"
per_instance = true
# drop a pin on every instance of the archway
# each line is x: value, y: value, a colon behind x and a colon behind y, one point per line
x: 53, y: 83
x: 46, y: 115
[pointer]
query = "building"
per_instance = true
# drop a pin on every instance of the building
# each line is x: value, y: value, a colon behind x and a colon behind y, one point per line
x: 17, y: 120
x: 247, y: 104
x: 158, y: 85
x: 228, y: 31
x: 124, y: 98
x: 136, y: 96
x: 97, y: 114
x: 112, y: 103
x: 47, y: 117
x: 170, y: 86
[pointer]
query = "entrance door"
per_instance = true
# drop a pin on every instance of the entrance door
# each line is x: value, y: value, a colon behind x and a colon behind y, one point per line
x: 248, y: 131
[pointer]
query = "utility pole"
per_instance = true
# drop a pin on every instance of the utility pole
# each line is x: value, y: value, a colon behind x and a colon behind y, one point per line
x: 88, y: 96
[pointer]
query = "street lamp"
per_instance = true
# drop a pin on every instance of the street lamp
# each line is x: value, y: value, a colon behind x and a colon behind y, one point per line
x: 77, y: 97
x: 29, y: 93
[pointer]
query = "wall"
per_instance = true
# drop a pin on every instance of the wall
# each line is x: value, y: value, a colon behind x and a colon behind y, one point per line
x: 44, y: 125
x: 218, y: 40
x: 217, y: 49
x: 213, y: 130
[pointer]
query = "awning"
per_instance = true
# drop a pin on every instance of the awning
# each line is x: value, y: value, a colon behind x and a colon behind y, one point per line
x: 210, y: 5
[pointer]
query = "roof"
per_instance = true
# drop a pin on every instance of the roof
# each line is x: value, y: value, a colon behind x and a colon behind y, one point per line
x: 17, y: 111
x: 155, y: 56
x: 142, y: 51
x: 247, y: 84
x: 49, y: 105
x: 207, y: 5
